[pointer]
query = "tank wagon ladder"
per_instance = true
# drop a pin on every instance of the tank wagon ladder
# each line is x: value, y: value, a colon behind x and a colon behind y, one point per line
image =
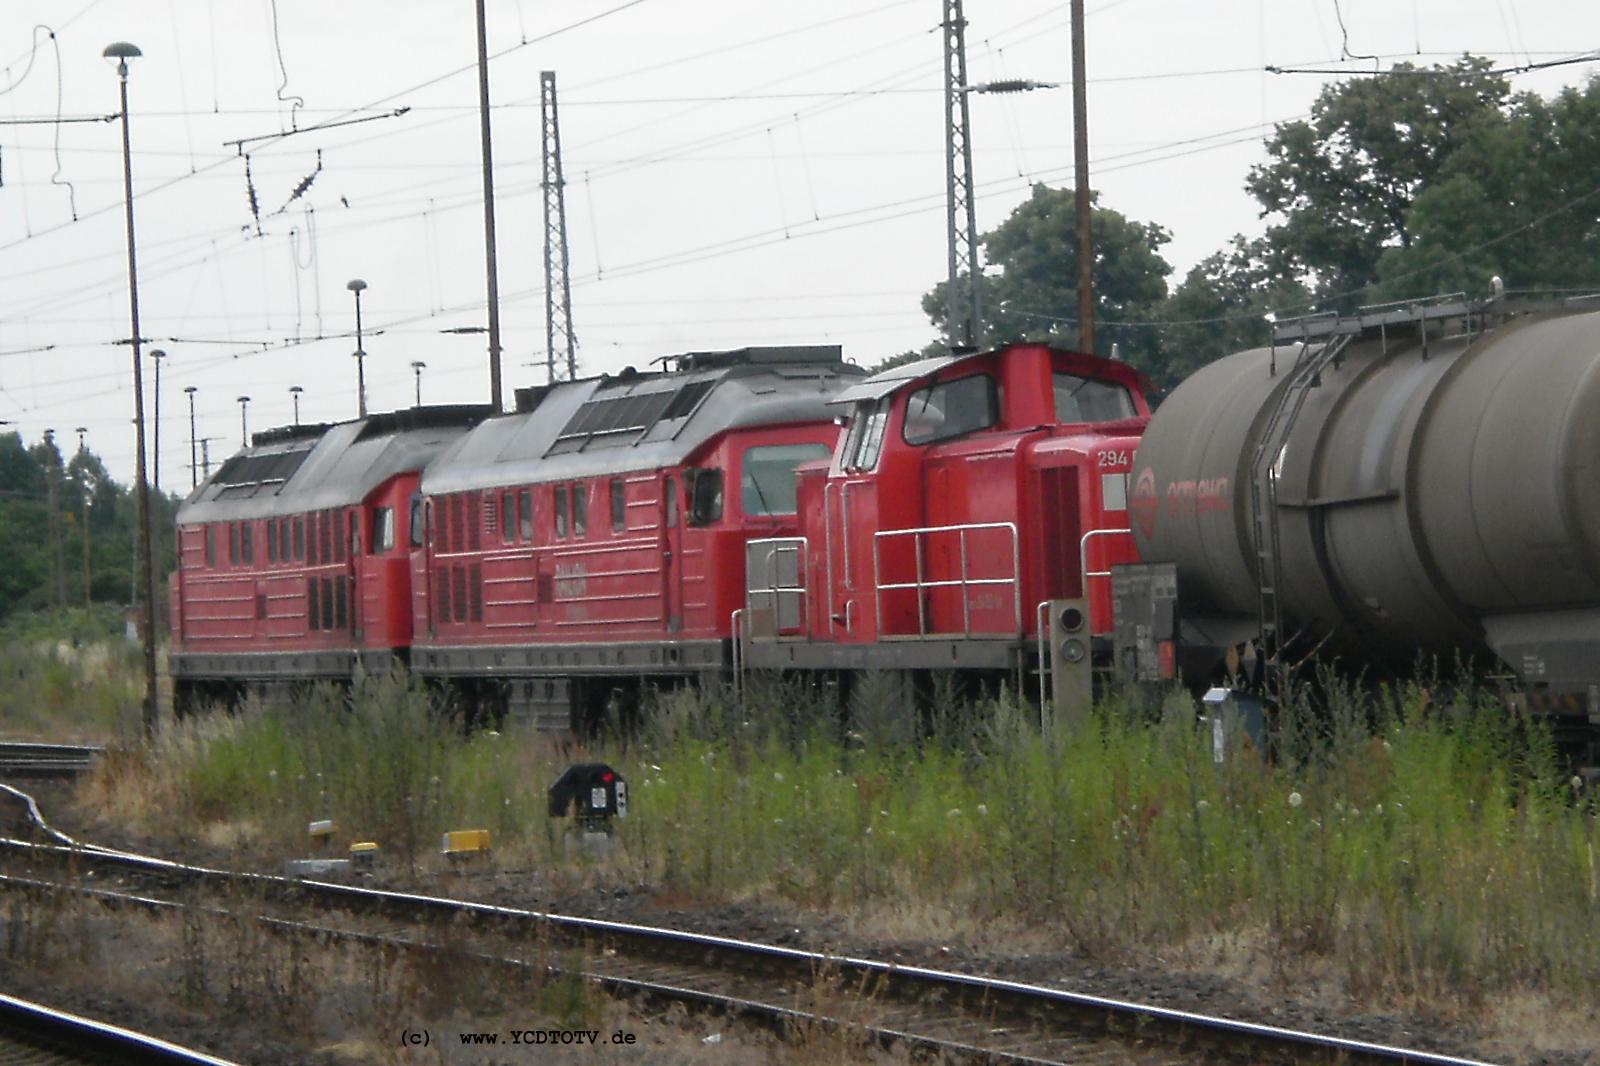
x: 1265, y: 467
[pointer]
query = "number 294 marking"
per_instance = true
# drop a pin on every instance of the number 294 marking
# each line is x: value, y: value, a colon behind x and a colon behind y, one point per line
x: 1114, y: 458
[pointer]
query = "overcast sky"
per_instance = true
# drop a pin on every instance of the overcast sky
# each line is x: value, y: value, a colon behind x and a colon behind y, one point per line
x: 737, y: 173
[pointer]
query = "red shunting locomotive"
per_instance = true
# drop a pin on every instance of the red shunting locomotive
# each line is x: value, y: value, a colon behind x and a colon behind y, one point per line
x: 968, y: 520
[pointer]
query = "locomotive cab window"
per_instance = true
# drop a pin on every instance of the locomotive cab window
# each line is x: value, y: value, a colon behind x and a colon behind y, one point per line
x: 705, y: 496
x: 949, y: 409
x: 766, y: 476
x: 382, y: 529
x: 1080, y: 399
x: 866, y: 434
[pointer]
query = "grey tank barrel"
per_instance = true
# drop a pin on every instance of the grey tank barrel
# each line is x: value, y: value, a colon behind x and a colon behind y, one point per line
x: 1436, y: 491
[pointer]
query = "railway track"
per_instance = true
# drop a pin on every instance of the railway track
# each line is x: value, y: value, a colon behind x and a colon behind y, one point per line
x: 956, y: 1015
x: 32, y: 1034
x: 25, y: 759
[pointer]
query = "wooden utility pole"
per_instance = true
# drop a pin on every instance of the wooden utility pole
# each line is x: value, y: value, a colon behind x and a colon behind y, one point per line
x: 54, y: 534
x: 1080, y: 172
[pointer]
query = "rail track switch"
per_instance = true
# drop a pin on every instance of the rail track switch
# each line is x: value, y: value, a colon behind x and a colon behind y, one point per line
x: 593, y: 792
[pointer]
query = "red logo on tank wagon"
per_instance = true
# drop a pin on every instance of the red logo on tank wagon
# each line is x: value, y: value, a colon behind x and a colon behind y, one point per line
x: 1145, y: 504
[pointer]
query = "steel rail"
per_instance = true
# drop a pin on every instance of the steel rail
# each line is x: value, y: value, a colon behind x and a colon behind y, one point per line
x: 76, y: 1038
x: 1082, y: 1012
x: 28, y: 759
x: 768, y: 1012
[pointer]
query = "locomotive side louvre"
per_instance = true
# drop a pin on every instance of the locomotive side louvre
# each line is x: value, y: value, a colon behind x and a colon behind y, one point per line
x: 595, y: 537
x: 968, y: 493
x: 291, y: 561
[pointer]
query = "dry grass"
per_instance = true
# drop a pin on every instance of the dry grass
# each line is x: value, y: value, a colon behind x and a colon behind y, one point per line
x: 1406, y: 850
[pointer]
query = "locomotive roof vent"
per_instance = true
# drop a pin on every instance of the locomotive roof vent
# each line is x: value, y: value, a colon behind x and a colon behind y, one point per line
x: 763, y: 355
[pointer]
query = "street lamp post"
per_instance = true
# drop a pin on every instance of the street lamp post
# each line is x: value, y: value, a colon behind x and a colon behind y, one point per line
x: 121, y: 51
x: 244, y: 425
x: 83, y: 471
x: 417, y: 366
x: 156, y: 355
x: 194, y: 468
x: 356, y: 285
x: 295, y: 391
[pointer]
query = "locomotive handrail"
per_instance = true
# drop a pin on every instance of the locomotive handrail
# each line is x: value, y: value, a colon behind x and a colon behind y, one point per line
x: 1083, y: 555
x: 736, y: 651
x: 1041, y: 615
x: 776, y: 546
x: 827, y: 557
x: 964, y: 582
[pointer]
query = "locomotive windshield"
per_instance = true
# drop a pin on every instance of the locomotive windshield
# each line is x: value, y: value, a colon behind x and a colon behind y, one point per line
x: 949, y: 409
x: 1080, y: 399
x: 766, y: 479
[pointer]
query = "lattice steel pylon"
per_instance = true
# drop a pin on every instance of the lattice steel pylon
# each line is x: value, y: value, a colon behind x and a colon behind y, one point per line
x: 557, y: 284
x: 960, y: 215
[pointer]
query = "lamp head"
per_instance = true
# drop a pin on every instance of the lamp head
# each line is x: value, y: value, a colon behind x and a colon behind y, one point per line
x: 190, y: 389
x: 355, y: 285
x: 296, y: 389
x: 418, y: 364
x: 244, y: 399
x: 122, y: 51
x: 157, y: 353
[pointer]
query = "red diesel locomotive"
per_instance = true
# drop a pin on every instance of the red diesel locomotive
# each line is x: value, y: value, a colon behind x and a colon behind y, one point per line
x: 969, y: 520
x: 290, y: 563
x: 623, y: 530
x: 593, y: 540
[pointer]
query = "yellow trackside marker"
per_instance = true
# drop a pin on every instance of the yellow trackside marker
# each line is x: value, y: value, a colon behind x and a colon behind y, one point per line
x: 321, y: 829
x: 363, y: 853
x: 459, y: 843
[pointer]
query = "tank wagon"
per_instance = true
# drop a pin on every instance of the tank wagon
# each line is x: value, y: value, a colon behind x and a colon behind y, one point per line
x: 594, y: 539
x: 293, y: 556
x: 1415, y: 479
x: 967, y: 521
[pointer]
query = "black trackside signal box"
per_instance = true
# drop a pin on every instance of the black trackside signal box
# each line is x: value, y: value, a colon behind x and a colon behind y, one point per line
x: 593, y: 791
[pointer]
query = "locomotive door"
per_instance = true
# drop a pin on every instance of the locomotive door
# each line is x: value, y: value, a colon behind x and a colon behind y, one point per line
x: 671, y: 556
x: 850, y: 510
x: 355, y: 576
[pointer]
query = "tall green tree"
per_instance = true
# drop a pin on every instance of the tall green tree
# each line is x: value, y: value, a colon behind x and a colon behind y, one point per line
x: 1029, y: 290
x: 1519, y: 200
x: 1221, y: 305
x: 1343, y: 184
